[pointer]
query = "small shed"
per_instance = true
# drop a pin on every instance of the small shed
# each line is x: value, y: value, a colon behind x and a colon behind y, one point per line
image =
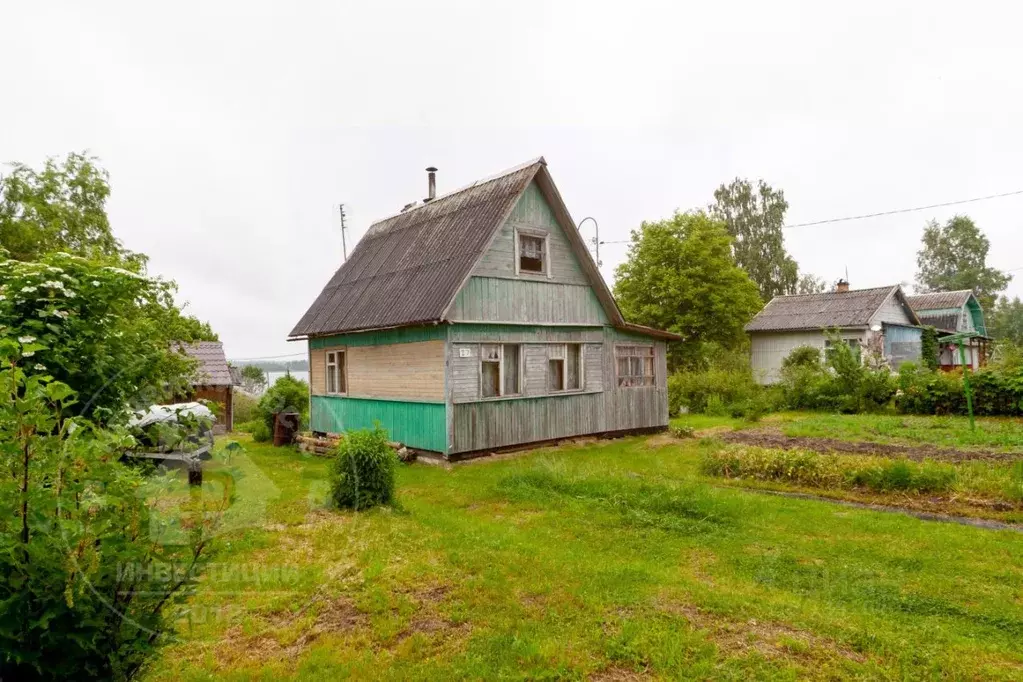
x: 953, y: 312
x: 212, y: 380
x: 879, y: 318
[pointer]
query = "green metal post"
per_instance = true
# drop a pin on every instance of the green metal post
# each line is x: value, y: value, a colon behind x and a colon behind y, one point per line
x: 966, y: 384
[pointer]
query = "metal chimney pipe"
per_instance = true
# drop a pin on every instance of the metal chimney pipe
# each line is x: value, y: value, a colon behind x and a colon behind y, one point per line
x: 432, y: 174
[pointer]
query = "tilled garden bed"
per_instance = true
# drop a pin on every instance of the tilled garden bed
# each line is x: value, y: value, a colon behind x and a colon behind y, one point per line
x: 774, y: 438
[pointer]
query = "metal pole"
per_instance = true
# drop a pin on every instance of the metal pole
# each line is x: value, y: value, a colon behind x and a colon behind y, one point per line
x: 966, y: 384
x: 596, y: 237
x: 344, y: 246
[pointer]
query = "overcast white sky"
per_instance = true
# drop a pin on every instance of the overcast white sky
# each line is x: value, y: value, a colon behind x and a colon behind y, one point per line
x: 231, y: 130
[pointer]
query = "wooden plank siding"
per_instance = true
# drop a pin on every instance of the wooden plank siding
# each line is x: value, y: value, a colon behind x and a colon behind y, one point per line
x: 401, y: 370
x: 531, y: 213
x: 417, y: 424
x: 491, y: 299
x: 536, y: 415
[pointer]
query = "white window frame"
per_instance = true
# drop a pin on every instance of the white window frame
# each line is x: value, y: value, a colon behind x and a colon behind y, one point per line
x: 500, y: 370
x: 625, y: 350
x: 536, y: 234
x: 559, y: 351
x: 331, y: 368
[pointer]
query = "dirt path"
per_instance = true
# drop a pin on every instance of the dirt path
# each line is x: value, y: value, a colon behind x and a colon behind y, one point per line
x: 774, y: 438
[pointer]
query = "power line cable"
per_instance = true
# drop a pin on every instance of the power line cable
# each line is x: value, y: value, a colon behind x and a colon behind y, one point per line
x: 896, y: 211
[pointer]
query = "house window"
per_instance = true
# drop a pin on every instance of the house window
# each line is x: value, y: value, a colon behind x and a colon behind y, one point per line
x: 336, y: 372
x: 564, y: 367
x: 532, y: 253
x: 499, y: 369
x: 635, y: 365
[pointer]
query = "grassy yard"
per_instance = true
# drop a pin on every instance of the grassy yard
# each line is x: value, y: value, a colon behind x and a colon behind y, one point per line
x: 953, y: 432
x: 617, y: 560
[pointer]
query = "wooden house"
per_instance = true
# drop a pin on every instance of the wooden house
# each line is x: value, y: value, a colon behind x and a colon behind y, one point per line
x: 951, y: 312
x: 879, y: 318
x: 478, y: 320
x: 212, y: 380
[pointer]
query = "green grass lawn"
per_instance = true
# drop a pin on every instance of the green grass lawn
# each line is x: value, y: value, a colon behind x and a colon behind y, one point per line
x: 614, y: 561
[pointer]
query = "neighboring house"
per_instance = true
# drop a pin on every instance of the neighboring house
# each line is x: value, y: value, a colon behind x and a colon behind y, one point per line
x: 873, y: 318
x: 212, y: 380
x: 950, y: 312
x: 478, y: 320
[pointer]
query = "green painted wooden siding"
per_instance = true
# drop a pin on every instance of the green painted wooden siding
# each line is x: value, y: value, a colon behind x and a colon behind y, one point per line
x: 494, y: 299
x: 419, y: 425
x: 532, y: 212
x: 382, y: 338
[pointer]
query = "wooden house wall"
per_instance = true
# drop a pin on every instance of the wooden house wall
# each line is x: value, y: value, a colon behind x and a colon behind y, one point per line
x: 479, y: 424
x: 891, y: 311
x: 494, y: 299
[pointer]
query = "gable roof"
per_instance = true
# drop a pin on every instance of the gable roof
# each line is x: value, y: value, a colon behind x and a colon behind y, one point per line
x: 939, y: 300
x: 213, y: 369
x: 853, y: 308
x: 409, y: 267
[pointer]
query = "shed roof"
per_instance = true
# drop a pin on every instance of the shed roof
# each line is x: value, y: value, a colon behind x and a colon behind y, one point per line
x: 213, y: 369
x: 939, y: 300
x: 409, y: 267
x: 852, y: 308
x: 946, y: 322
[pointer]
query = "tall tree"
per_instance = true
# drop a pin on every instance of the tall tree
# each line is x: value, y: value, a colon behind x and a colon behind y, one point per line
x: 1005, y: 320
x: 954, y: 256
x: 754, y: 217
x: 680, y: 276
x: 810, y: 284
x: 60, y: 208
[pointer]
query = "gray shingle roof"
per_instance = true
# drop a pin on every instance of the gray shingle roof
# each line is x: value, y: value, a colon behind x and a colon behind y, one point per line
x: 939, y: 300
x: 408, y: 268
x: 213, y: 369
x: 819, y: 311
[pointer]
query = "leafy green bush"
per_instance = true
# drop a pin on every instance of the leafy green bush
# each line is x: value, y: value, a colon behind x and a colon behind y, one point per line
x: 287, y: 394
x: 245, y: 407
x: 82, y: 586
x: 105, y: 332
x: 681, y: 431
x: 261, y: 433
x: 847, y: 382
x: 362, y: 472
x: 812, y: 469
x: 728, y: 377
x: 802, y: 356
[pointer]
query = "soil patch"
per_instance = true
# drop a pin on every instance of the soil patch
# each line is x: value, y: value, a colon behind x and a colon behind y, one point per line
x: 772, y: 438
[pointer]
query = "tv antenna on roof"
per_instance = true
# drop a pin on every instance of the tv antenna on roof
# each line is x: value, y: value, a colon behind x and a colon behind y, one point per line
x: 344, y: 246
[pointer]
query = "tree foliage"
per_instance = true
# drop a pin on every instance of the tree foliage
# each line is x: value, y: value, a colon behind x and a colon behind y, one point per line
x: 1005, y: 320
x: 106, y: 332
x: 680, y: 276
x: 954, y: 256
x: 82, y: 592
x: 287, y: 394
x: 810, y: 284
x: 253, y: 379
x: 362, y: 473
x: 60, y: 208
x: 929, y: 348
x: 754, y: 217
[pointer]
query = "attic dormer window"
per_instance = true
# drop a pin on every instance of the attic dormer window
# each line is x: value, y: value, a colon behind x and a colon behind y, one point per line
x: 532, y: 253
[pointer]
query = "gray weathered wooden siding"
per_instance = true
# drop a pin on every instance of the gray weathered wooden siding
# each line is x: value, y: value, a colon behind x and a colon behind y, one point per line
x: 532, y: 213
x: 493, y: 299
x: 892, y: 311
x: 536, y: 416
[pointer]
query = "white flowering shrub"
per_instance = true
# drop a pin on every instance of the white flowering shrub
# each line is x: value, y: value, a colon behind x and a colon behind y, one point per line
x: 104, y: 331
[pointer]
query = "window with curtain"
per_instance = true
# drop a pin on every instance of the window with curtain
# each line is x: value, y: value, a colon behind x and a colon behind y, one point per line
x: 499, y: 369
x: 635, y: 365
x: 532, y: 254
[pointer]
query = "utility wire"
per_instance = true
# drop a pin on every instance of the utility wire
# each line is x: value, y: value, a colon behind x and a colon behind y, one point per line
x: 882, y: 213
x: 269, y: 357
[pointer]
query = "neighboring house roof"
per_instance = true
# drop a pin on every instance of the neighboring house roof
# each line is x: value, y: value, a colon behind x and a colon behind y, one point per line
x: 213, y: 369
x: 939, y: 300
x: 946, y: 322
x: 409, y: 267
x: 852, y: 308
